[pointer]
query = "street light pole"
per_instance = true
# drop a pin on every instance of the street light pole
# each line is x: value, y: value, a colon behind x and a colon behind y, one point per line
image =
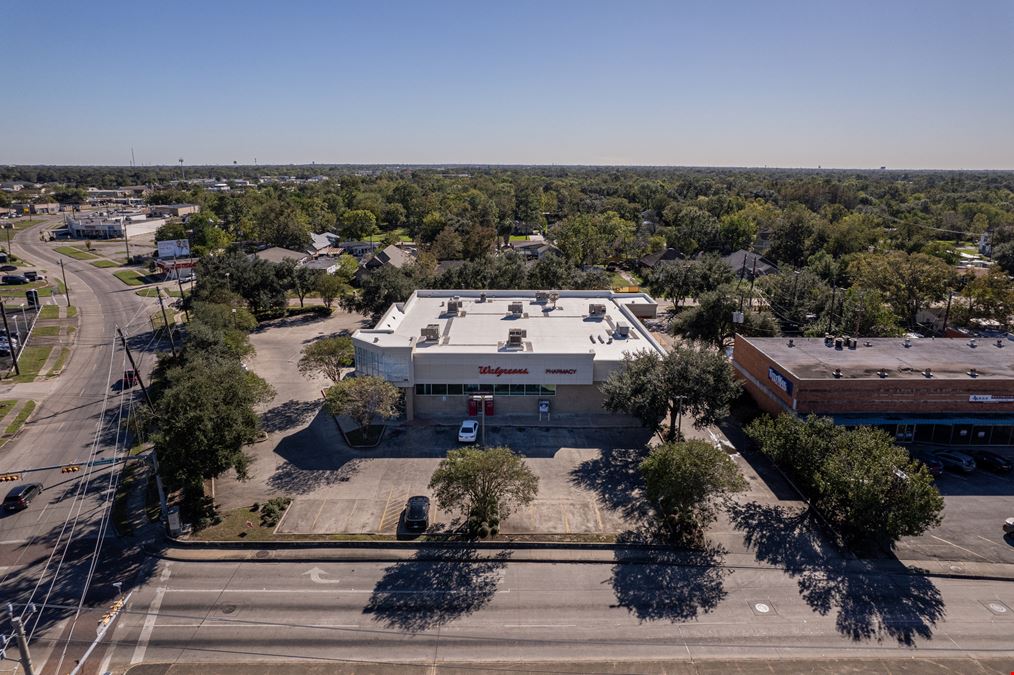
x: 679, y: 416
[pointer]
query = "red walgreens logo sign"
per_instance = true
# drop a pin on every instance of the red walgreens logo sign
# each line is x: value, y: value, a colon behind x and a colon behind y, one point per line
x: 561, y: 371
x: 490, y: 370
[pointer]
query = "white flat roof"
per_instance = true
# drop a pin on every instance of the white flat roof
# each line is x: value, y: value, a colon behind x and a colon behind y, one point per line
x: 482, y: 327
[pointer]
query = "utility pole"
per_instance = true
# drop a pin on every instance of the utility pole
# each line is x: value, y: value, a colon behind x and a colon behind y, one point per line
x: 126, y: 240
x: 10, y: 345
x: 830, y: 313
x: 679, y: 416
x: 26, y: 657
x: 183, y: 299
x: 66, y: 288
x: 947, y: 312
x: 172, y: 342
x: 9, y: 227
x: 147, y: 398
x: 753, y: 277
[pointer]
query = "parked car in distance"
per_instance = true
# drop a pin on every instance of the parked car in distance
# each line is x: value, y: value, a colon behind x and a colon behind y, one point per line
x: 991, y: 461
x: 8, y: 268
x: 417, y: 513
x: 13, y: 279
x: 468, y: 432
x: 20, y: 497
x: 33, y: 275
x: 1008, y: 526
x: 956, y: 461
x: 933, y: 465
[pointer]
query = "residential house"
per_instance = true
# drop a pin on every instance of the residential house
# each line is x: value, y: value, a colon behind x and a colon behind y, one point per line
x: 748, y: 265
x: 392, y: 256
x: 535, y: 249
x: 651, y: 261
x: 277, y: 254
x: 325, y: 243
x: 358, y: 249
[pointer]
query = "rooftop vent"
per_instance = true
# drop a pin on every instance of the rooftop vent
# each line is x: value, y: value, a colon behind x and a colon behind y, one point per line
x: 838, y: 342
x: 999, y: 343
x: 882, y: 372
x: 971, y: 343
x: 553, y: 297
x: 928, y: 372
x: 622, y: 329
x: 837, y: 373
x: 792, y: 343
x: 907, y: 343
x: 972, y: 372
x: 516, y: 309
x: 515, y: 337
x: 431, y: 332
x: 596, y: 310
x: 453, y: 305
x: 482, y: 297
x: 828, y: 340
x: 867, y: 344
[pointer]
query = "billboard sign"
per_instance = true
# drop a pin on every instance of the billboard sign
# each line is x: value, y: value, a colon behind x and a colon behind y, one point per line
x: 173, y: 248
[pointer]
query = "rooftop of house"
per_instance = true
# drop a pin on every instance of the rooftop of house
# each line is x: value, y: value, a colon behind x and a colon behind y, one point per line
x: 276, y: 254
x: 483, y: 319
x: 946, y: 358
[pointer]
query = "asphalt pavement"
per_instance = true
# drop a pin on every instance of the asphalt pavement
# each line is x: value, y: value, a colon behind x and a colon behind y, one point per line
x: 430, y: 611
x: 46, y: 550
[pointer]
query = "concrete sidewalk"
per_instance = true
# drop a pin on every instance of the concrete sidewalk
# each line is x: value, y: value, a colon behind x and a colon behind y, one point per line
x: 898, y: 665
x: 595, y: 554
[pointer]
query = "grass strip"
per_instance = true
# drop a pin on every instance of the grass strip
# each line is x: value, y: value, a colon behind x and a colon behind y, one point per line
x: 75, y: 253
x: 20, y: 418
x: 129, y: 277
x: 105, y: 263
x: 32, y: 358
x: 47, y: 331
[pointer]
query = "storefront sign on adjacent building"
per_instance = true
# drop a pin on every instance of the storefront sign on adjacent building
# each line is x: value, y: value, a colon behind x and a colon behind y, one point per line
x: 561, y: 371
x: 780, y: 381
x: 989, y: 398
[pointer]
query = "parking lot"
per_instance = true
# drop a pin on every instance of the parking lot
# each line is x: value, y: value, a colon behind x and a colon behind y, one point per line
x: 976, y: 505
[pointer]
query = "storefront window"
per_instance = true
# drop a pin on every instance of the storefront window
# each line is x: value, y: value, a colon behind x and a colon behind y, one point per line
x: 496, y: 390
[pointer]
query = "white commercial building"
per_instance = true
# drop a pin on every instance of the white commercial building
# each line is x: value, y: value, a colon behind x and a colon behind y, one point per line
x: 113, y: 225
x: 535, y: 352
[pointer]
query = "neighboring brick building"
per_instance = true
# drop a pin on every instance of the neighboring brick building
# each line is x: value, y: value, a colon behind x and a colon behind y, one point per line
x: 953, y: 391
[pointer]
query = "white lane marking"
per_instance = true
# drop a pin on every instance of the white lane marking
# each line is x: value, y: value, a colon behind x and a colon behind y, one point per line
x: 149, y: 626
x: 961, y: 547
x: 6, y: 542
x: 539, y: 625
x: 213, y: 622
x: 43, y: 512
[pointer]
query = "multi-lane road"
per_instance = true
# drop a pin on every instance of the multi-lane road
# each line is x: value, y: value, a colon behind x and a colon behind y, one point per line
x: 46, y: 550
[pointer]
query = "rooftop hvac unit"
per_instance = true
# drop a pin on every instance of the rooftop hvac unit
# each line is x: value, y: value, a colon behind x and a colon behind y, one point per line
x: 453, y: 306
x: 516, y: 308
x: 482, y: 297
x: 431, y: 332
x: 596, y: 310
x: 622, y: 329
x: 515, y: 337
x: 541, y: 297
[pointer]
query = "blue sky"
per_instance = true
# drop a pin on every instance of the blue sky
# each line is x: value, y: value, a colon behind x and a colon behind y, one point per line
x: 922, y: 84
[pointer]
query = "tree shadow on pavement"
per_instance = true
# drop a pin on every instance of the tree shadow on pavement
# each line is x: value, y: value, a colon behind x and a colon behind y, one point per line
x: 436, y: 587
x: 615, y: 476
x: 668, y: 584
x: 873, y: 601
x: 289, y: 414
x: 313, y: 457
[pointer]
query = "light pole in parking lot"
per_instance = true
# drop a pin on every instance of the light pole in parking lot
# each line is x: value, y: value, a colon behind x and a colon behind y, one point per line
x: 481, y: 399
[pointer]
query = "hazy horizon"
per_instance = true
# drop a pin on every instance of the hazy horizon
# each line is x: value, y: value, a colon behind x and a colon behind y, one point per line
x: 906, y: 85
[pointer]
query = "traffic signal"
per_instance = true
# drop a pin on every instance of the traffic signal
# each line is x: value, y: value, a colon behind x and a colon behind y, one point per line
x: 70, y: 469
x: 10, y: 476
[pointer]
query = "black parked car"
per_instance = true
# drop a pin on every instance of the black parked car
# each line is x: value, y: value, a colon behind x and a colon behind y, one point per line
x: 992, y: 461
x: 21, y: 496
x: 934, y: 465
x: 417, y: 513
x: 13, y: 279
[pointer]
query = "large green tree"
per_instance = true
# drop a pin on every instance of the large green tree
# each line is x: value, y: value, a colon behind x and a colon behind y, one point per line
x: 328, y: 356
x: 685, y: 482
x: 907, y: 281
x: 484, y: 485
x: 363, y: 399
x: 693, y: 379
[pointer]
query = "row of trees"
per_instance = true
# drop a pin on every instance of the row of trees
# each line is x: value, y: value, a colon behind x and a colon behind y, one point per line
x: 205, y: 400
x: 858, y: 479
